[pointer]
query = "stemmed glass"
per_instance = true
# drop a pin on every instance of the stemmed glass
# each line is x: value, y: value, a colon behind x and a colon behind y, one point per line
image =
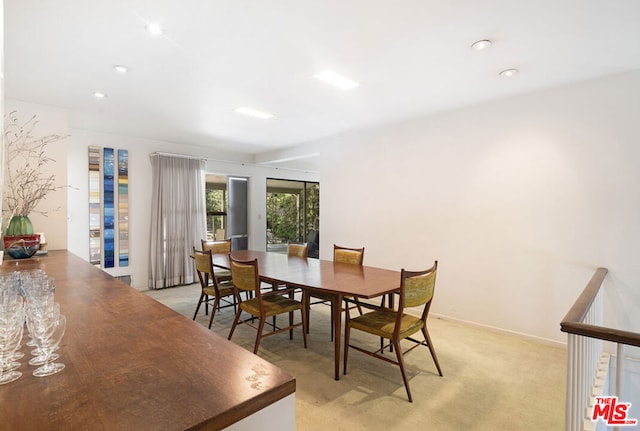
x: 40, y: 358
x: 46, y: 326
x: 11, y: 328
x: 48, y: 340
x: 38, y: 289
x: 28, y: 296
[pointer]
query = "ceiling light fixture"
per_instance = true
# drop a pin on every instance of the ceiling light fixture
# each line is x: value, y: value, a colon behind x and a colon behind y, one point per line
x: 337, y: 80
x: 155, y: 29
x: 508, y: 73
x: 99, y: 95
x: 481, y: 44
x: 253, y: 113
x: 120, y: 68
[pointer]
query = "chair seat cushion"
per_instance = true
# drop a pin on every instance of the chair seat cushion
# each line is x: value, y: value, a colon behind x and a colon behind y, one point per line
x: 382, y: 323
x: 224, y: 291
x: 222, y: 274
x: 273, y: 305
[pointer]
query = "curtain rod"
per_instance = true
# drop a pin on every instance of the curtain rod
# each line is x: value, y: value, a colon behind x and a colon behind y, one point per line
x: 184, y: 156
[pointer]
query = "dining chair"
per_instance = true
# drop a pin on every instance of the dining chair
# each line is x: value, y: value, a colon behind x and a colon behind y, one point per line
x: 220, y: 234
x: 245, y: 278
x: 294, y: 249
x: 354, y: 256
x: 297, y: 249
x: 211, y: 289
x: 219, y: 247
x: 348, y: 255
x: 416, y: 289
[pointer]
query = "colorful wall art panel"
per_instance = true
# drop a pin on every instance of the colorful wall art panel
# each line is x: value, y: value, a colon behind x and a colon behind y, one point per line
x: 123, y: 207
x: 108, y: 208
x: 108, y: 225
x: 95, y: 237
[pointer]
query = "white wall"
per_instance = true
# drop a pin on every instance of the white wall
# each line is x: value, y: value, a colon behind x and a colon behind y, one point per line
x: 519, y: 200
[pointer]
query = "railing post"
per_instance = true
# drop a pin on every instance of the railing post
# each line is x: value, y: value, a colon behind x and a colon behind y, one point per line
x: 619, y: 365
x: 570, y: 382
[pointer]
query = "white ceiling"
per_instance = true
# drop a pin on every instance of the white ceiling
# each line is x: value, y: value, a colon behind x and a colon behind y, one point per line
x: 411, y: 57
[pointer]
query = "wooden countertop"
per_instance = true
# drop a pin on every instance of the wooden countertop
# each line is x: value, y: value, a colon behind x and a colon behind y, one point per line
x: 132, y: 363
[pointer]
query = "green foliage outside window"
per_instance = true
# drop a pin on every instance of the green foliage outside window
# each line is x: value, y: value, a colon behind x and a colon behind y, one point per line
x: 282, y: 220
x: 290, y: 216
x: 313, y: 206
x: 216, y: 203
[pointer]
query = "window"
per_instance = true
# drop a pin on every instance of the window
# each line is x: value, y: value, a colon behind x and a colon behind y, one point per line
x: 293, y: 214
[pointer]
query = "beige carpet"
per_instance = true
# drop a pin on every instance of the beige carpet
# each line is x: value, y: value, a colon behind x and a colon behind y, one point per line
x: 492, y: 381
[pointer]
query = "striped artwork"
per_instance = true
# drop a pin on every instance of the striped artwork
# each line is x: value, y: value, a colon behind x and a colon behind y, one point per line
x: 108, y: 221
x: 123, y: 207
x: 95, y: 240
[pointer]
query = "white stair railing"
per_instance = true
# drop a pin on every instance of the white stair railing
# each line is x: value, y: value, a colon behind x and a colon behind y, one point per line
x: 587, y: 362
x: 582, y: 366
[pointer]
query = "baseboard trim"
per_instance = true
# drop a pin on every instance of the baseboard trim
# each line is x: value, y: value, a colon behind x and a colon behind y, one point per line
x: 543, y: 340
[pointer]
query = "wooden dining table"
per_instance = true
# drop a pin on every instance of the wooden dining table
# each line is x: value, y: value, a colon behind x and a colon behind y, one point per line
x: 315, y: 275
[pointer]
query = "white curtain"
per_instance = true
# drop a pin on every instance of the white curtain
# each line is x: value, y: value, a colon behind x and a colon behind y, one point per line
x: 178, y: 219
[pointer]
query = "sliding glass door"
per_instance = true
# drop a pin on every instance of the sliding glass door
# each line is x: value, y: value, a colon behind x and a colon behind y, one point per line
x: 238, y: 207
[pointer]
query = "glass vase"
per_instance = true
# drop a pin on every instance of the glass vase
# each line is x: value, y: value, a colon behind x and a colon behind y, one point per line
x: 19, y: 225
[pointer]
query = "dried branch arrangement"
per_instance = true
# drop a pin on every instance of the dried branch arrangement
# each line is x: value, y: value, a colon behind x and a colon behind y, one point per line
x: 26, y: 181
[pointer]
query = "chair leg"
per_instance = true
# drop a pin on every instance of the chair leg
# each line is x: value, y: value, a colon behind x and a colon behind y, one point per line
x: 357, y: 305
x: 216, y: 306
x: 291, y: 319
x: 259, y: 335
x: 391, y: 305
x: 198, y: 306
x: 235, y: 323
x: 306, y: 304
x: 431, y: 349
x: 291, y: 324
x: 304, y: 326
x: 396, y: 344
x: 332, y: 321
x: 347, y: 333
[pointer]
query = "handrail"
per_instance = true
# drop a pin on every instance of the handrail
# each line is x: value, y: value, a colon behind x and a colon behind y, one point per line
x: 572, y: 322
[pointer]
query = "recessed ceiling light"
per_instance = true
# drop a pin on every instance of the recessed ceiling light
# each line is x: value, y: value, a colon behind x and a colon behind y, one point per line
x: 508, y: 73
x: 337, y: 80
x: 120, y: 68
x: 155, y: 29
x: 99, y: 95
x: 481, y: 44
x: 253, y: 113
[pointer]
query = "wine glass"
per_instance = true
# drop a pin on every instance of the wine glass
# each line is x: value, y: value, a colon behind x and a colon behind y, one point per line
x: 36, y: 324
x: 11, y: 329
x: 49, y: 340
x: 38, y: 302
